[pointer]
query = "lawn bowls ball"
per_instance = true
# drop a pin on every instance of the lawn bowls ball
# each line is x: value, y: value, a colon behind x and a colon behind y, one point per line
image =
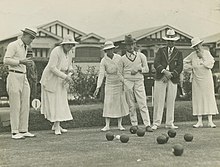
x: 124, y: 138
x: 161, y: 139
x: 109, y: 136
x: 141, y: 132
x: 133, y: 129
x: 188, y: 137
x: 178, y: 149
x: 171, y: 133
x: 167, y: 137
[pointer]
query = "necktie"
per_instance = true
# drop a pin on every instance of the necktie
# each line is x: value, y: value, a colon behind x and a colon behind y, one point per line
x: 25, y: 46
x: 169, y: 53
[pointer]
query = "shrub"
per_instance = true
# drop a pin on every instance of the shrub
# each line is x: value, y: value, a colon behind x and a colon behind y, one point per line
x: 3, y: 78
x: 83, y: 86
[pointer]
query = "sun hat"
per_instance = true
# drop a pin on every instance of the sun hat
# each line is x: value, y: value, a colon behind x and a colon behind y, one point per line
x: 195, y: 41
x: 108, y: 45
x: 30, y: 31
x: 129, y: 40
x: 68, y: 39
x: 170, y: 35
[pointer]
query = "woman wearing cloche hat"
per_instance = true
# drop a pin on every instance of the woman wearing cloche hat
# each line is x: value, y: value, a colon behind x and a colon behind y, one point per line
x: 54, y: 81
x: 115, y: 105
x: 199, y: 63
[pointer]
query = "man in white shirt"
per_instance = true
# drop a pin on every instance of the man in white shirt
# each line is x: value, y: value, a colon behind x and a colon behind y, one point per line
x: 17, y: 84
x: 132, y: 66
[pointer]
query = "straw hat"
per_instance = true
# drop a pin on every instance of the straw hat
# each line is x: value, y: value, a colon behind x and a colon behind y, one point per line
x: 129, y: 40
x: 195, y: 41
x: 170, y: 35
x: 68, y: 39
x: 30, y: 31
x: 108, y: 45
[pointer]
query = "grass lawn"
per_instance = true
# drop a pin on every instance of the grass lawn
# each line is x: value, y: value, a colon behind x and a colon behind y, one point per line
x: 88, y: 147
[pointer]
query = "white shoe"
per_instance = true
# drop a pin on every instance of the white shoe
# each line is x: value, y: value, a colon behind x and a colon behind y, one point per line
x: 18, y: 136
x: 57, y: 131
x: 121, y: 128
x: 154, y: 127
x: 63, y: 130
x: 28, y: 134
x: 211, y: 125
x: 105, y: 129
x: 198, y: 125
x: 171, y: 127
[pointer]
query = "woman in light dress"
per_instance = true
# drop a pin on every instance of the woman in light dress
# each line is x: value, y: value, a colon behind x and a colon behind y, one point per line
x: 199, y: 63
x: 115, y: 105
x: 54, y: 83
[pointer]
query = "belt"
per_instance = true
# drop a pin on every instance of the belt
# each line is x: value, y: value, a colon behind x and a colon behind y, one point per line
x: 17, y: 71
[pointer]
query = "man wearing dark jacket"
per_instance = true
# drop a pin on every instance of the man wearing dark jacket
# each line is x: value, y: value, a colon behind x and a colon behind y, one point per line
x: 168, y: 64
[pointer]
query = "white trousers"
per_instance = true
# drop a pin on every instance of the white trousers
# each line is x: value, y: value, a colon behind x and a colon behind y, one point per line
x: 135, y: 91
x: 19, y: 99
x: 164, y: 92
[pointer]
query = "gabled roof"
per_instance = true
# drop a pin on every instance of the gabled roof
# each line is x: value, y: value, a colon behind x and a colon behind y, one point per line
x: 13, y: 36
x: 49, y: 33
x: 212, y: 38
x: 90, y: 35
x: 146, y: 32
x: 45, y: 26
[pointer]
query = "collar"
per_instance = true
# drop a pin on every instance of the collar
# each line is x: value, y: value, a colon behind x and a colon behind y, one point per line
x: 170, y: 48
x: 129, y: 53
x: 109, y: 57
x: 20, y: 42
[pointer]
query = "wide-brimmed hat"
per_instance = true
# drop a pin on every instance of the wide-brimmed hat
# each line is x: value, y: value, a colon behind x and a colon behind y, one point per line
x: 108, y: 45
x: 68, y: 39
x: 30, y: 31
x: 170, y: 35
x: 129, y: 40
x: 195, y: 41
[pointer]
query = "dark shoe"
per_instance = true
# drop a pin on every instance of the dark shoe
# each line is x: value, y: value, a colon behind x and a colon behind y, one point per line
x: 149, y: 129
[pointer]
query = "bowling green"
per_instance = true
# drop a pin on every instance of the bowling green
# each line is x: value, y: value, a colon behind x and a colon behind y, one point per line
x: 88, y: 147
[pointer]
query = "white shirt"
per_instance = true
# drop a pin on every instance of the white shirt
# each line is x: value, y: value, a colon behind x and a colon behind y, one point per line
x: 14, y: 53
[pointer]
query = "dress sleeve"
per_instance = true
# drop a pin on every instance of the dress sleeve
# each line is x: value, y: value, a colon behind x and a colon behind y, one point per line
x: 53, y: 62
x: 70, y: 67
x: 187, y: 63
x: 120, y: 69
x: 101, y: 74
x: 208, y: 60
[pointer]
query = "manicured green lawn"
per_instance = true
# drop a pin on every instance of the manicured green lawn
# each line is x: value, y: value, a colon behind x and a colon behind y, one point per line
x: 88, y: 147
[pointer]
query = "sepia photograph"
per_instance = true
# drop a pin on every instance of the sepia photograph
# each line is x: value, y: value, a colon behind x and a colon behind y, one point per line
x: 100, y: 83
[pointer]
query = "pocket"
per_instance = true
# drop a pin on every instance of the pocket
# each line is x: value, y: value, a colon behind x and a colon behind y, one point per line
x: 13, y: 83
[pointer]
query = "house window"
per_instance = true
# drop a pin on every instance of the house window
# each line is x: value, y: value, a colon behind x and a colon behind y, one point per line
x: 87, y: 54
x: 151, y: 53
x: 145, y: 52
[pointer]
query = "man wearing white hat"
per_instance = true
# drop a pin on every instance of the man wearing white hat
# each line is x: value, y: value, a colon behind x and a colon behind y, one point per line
x: 17, y: 84
x: 168, y: 64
